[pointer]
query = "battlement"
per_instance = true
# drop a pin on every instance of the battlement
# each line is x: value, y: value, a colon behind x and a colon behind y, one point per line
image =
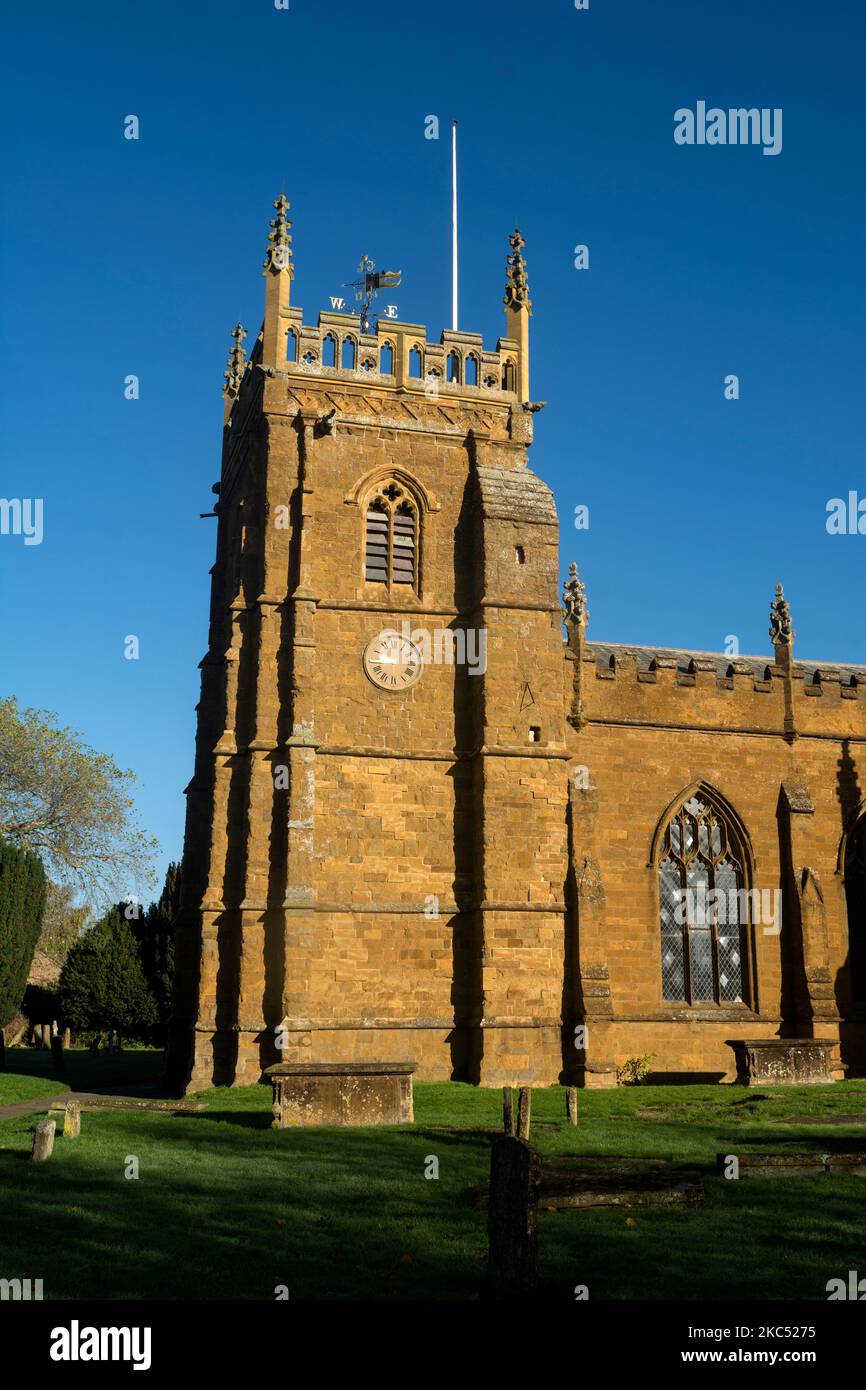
x: 398, y: 355
x: 651, y: 665
x: 618, y: 684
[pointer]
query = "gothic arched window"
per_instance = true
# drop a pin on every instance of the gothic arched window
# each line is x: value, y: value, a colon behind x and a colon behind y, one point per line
x: 453, y: 368
x: 855, y: 896
x: 704, y: 905
x: 386, y: 359
x: 329, y: 351
x: 391, y: 537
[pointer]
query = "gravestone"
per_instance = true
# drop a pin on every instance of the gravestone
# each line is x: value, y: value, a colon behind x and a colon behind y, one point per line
x: 524, y: 1111
x: 512, y: 1218
x: 72, y: 1120
x: 341, y: 1093
x: 783, y: 1061
x: 507, y: 1110
x: 43, y: 1141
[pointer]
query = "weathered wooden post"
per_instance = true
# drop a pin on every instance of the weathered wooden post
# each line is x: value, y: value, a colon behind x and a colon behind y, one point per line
x: 507, y: 1110
x: 43, y: 1141
x: 571, y: 1104
x: 512, y: 1218
x: 524, y: 1108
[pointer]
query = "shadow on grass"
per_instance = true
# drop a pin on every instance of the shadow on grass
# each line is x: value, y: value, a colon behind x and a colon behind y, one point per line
x: 757, y: 1241
x: 247, y: 1119
x: 90, y: 1071
x: 228, y: 1212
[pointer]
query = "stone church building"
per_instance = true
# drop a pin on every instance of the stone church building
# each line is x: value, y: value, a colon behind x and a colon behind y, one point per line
x: 431, y: 820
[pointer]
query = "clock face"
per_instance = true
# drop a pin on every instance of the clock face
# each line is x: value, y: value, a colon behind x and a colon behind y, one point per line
x: 392, y: 662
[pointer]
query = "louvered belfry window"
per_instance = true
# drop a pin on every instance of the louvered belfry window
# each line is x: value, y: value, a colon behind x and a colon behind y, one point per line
x: 391, y: 538
x: 376, y: 551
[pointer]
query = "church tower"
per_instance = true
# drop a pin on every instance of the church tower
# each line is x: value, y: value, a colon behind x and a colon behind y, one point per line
x: 376, y: 828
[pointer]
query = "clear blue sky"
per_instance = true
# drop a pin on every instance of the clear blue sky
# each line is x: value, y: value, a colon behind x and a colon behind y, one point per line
x: 138, y: 257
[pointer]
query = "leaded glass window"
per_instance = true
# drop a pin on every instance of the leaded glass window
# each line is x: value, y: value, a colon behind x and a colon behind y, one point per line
x: 703, y: 907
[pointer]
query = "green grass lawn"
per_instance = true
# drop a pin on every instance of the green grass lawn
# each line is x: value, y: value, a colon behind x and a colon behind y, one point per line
x: 26, y: 1086
x: 226, y: 1207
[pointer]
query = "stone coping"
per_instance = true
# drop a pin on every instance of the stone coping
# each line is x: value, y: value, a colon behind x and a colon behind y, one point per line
x: 782, y: 1042
x: 795, y: 1165
x: 341, y: 1069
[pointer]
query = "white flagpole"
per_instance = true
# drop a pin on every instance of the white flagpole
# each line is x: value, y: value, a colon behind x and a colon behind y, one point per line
x: 454, y: 225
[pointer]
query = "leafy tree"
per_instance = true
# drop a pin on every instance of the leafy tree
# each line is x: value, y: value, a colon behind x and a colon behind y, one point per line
x: 102, y: 984
x: 22, y: 902
x: 63, y: 922
x: 68, y: 804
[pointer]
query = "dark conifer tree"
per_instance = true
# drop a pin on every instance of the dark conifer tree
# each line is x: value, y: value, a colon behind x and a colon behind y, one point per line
x: 103, y: 985
x: 22, y: 903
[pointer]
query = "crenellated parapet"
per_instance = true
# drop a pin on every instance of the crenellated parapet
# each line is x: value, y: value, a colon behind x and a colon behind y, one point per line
x: 397, y: 354
x: 637, y: 684
x: 777, y: 694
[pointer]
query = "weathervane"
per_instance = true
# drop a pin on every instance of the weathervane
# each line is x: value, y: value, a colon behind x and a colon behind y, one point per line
x: 367, y: 288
